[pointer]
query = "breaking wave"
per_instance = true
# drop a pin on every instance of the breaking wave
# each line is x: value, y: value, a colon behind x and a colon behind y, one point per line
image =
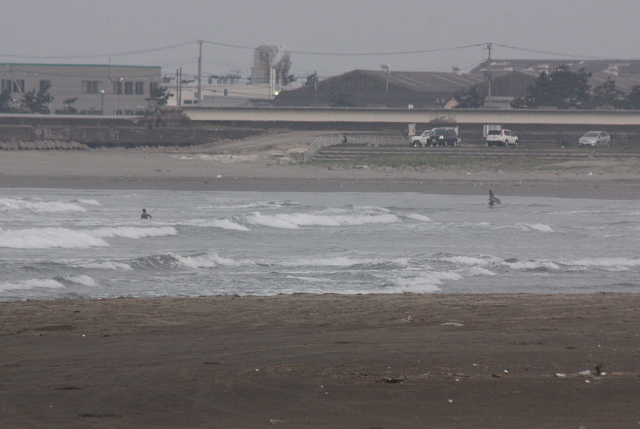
x: 31, y: 284
x: 10, y: 204
x: 295, y: 221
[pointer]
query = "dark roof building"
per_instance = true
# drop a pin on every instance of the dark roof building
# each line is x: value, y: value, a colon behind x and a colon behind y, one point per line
x: 381, y: 89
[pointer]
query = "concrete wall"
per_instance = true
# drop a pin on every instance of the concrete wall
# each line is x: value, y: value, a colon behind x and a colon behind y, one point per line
x: 417, y: 116
x: 16, y: 136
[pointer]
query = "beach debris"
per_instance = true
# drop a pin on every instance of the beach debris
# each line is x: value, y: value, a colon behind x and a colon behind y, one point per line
x: 276, y: 421
x: 598, y: 369
x: 452, y: 324
x: 585, y: 372
x: 393, y: 380
x: 560, y: 375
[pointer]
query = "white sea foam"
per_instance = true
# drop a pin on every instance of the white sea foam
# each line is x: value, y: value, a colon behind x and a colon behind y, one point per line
x: 535, y: 227
x: 81, y: 280
x: 532, y: 265
x: 307, y: 279
x: 9, y: 204
x: 478, y: 271
x: 465, y: 260
x: 343, y: 261
x: 225, y: 223
x: 428, y: 282
x: 417, y: 216
x: 208, y: 260
x: 613, y: 264
x: 46, y: 238
x: 31, y: 284
x: 296, y: 220
x: 89, y: 202
x: 133, y: 232
x: 106, y: 265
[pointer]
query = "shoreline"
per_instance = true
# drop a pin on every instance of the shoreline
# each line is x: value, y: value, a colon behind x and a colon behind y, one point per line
x: 157, y: 170
x: 323, y: 361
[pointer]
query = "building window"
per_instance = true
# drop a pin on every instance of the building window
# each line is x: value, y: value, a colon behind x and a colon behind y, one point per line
x: 117, y: 87
x: 139, y: 88
x: 128, y: 88
x: 13, y: 85
x: 90, y: 86
x: 153, y: 87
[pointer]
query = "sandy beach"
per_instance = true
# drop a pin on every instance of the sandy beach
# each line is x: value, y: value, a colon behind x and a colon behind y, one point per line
x: 277, y: 169
x: 329, y: 361
x: 318, y: 361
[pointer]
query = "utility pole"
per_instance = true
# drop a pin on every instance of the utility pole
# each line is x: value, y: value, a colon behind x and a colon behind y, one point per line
x: 489, y: 46
x: 200, y: 42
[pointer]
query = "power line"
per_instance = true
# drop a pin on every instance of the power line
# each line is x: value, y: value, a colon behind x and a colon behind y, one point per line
x: 353, y: 54
x: 558, y: 54
x: 118, y: 54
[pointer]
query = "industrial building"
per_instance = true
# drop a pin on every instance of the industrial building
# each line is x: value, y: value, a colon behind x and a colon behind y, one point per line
x: 85, y: 88
x: 382, y: 89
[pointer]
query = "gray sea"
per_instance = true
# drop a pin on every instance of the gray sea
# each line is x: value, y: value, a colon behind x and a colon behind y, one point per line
x: 93, y: 244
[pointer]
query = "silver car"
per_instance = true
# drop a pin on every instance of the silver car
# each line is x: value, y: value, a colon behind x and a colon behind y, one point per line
x: 595, y: 139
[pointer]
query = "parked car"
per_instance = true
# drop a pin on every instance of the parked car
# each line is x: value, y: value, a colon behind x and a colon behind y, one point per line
x: 443, y: 137
x: 501, y: 138
x: 420, y: 140
x: 595, y: 139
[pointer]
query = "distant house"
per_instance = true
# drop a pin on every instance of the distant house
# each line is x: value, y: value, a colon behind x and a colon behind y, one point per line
x: 382, y: 89
x: 98, y: 89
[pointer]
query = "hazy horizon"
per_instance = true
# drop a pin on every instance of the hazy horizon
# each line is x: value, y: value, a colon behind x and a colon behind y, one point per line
x: 330, y: 37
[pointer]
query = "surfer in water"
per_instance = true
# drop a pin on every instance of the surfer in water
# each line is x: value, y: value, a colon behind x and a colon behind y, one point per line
x: 493, y: 199
x: 145, y: 215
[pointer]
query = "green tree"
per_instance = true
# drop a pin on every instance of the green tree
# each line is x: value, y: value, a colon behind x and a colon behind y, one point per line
x: 38, y: 102
x: 9, y: 105
x: 159, y: 96
x: 608, y: 95
x: 632, y: 99
x: 69, y: 108
x: 312, y: 80
x: 469, y: 99
x: 5, y: 101
x: 562, y: 89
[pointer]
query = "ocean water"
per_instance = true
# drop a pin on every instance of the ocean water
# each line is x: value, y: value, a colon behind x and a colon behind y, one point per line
x: 93, y: 244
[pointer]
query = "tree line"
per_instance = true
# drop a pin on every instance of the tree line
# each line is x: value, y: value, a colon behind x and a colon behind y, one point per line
x: 564, y: 89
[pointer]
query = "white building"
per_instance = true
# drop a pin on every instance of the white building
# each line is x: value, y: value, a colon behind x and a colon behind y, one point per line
x: 98, y: 89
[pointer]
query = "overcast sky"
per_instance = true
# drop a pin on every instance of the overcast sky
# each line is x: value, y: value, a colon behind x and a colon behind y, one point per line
x: 92, y: 31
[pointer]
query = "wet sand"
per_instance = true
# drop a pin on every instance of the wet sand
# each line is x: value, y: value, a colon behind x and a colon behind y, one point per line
x: 317, y: 361
x: 270, y: 171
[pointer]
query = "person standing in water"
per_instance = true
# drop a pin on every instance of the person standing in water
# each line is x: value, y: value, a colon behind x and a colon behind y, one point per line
x: 145, y: 215
x: 493, y: 199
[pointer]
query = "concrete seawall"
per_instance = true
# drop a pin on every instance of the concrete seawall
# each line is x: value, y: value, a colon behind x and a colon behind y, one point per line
x: 18, y: 137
